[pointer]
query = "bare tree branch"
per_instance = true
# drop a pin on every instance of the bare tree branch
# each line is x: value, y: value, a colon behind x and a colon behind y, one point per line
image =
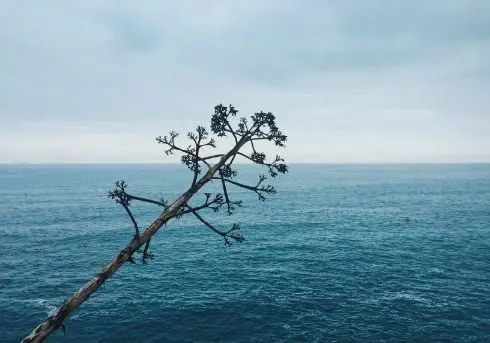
x: 121, y: 197
x: 225, y: 234
x: 170, y: 142
x: 151, y: 201
x: 146, y: 254
x: 259, y: 190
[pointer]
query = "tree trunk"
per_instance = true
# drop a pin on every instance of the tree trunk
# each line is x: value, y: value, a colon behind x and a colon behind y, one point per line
x: 55, y: 320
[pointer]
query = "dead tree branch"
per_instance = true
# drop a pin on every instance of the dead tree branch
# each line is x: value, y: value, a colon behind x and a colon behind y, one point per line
x: 260, y: 126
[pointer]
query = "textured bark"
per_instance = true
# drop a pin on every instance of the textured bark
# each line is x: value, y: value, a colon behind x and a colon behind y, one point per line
x: 55, y: 320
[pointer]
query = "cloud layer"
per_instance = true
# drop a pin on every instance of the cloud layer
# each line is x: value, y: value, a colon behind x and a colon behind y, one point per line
x: 350, y: 81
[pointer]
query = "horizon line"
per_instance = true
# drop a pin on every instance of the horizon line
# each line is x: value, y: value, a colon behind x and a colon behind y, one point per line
x: 24, y: 163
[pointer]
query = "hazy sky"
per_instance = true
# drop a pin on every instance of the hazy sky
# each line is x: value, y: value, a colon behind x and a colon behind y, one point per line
x: 350, y: 81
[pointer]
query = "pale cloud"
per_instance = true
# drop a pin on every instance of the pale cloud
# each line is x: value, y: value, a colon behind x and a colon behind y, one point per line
x: 350, y: 81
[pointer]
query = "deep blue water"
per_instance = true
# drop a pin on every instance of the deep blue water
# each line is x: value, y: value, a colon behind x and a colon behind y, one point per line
x: 375, y: 253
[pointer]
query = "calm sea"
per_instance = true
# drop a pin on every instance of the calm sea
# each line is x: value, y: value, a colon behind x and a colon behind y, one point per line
x: 342, y: 253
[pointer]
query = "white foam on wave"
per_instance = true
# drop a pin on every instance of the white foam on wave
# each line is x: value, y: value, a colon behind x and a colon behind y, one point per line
x: 405, y: 295
x: 436, y: 270
x: 47, y: 305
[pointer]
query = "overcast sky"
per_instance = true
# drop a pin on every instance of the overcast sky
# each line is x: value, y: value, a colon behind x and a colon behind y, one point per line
x: 350, y: 81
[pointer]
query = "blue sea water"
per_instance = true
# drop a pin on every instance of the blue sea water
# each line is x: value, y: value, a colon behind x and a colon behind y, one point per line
x: 342, y: 253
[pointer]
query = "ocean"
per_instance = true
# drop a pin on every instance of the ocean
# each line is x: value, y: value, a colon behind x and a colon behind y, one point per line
x: 342, y: 253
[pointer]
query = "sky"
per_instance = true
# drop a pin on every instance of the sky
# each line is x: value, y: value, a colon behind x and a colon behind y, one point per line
x: 350, y: 81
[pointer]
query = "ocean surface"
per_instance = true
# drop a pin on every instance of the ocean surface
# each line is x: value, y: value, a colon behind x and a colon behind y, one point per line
x: 342, y: 253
